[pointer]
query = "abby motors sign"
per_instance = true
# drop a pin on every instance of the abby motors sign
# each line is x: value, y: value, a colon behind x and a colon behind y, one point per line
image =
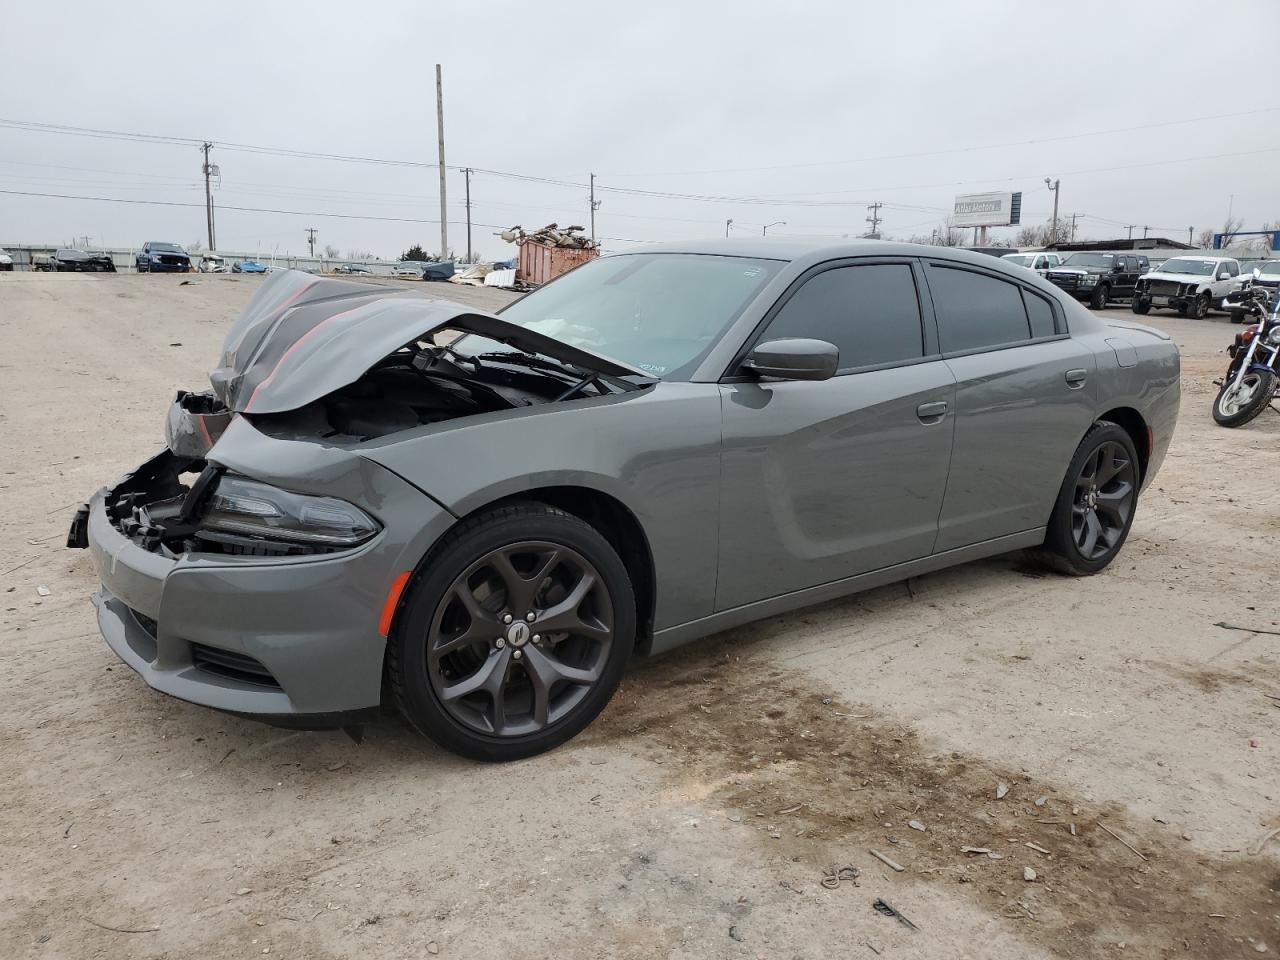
x: 987, y: 210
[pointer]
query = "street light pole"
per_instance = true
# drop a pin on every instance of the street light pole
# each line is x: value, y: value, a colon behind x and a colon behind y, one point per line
x: 777, y: 223
x: 727, y: 224
x: 1053, y: 185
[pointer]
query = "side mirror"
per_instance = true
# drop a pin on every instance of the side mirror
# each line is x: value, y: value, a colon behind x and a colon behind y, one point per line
x: 1117, y: 268
x: 1224, y: 275
x: 794, y: 359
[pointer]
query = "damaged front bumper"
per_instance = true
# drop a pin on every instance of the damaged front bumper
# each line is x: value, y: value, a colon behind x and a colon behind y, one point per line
x: 292, y: 640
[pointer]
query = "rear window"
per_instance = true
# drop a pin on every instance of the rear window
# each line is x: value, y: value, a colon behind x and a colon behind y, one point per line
x: 976, y: 310
x: 1039, y: 313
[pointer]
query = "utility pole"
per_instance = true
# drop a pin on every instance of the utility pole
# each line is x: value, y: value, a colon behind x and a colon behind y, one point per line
x: 595, y: 205
x: 444, y: 215
x: 466, y: 172
x: 1190, y: 233
x: 1130, y: 227
x: 208, y: 169
x: 1144, y: 232
x: 1073, y: 226
x: 874, y: 220
x: 311, y: 240
x: 727, y: 224
x: 1053, y: 185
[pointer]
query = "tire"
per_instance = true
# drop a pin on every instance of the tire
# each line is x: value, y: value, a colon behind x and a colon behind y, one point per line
x: 1141, y: 306
x: 1074, y: 544
x: 1256, y: 390
x: 1237, y: 316
x: 510, y: 695
x: 1182, y: 309
x: 1200, y: 306
x: 1098, y: 300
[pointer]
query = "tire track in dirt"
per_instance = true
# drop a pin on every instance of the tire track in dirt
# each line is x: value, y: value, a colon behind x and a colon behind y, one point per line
x: 823, y: 781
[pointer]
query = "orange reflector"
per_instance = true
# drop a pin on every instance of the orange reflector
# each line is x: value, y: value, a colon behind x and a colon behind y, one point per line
x: 393, y: 600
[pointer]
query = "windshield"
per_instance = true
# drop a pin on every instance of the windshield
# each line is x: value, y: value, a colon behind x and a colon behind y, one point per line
x: 660, y: 312
x: 1021, y: 259
x: 167, y: 248
x: 1194, y: 268
x: 1089, y: 260
x: 1270, y: 269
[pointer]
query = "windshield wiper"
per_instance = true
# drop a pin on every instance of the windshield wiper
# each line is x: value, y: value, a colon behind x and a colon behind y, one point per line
x: 581, y: 377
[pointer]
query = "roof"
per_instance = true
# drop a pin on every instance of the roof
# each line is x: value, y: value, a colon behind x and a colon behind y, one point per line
x: 797, y: 249
x: 1136, y: 244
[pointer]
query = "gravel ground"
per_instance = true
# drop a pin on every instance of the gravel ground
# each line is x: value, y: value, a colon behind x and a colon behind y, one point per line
x: 696, y: 817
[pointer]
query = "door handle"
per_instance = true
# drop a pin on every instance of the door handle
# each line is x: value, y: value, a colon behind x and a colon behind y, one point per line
x: 1077, y: 377
x: 932, y: 412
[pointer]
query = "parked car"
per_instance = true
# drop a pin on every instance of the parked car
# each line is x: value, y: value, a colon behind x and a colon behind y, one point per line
x: 408, y: 269
x: 1098, y: 278
x: 81, y: 261
x: 249, y: 266
x: 212, y: 263
x: 1039, y: 262
x: 1188, y: 284
x: 775, y: 425
x: 162, y: 257
x: 6, y: 261
x: 352, y: 268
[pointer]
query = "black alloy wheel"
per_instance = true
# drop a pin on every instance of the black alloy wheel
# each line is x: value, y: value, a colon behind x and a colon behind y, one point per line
x: 1200, y: 307
x: 1095, y: 507
x: 515, y: 633
x: 1101, y: 294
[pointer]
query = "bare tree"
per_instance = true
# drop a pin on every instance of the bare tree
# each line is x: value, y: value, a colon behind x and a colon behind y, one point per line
x: 1042, y: 234
x: 1263, y: 244
x: 1231, y: 225
x: 331, y: 252
x: 1205, y: 240
x: 360, y: 255
x: 195, y: 247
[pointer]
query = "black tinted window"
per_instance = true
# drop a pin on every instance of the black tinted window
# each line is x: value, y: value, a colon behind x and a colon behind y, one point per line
x: 871, y: 313
x: 975, y: 310
x: 1040, y: 314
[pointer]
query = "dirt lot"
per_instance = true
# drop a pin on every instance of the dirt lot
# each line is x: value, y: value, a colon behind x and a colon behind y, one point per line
x: 696, y: 817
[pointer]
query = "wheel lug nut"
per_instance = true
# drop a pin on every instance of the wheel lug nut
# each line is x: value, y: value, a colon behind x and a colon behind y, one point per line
x: 506, y: 618
x: 529, y: 616
x: 537, y: 638
x: 500, y: 643
x: 516, y: 655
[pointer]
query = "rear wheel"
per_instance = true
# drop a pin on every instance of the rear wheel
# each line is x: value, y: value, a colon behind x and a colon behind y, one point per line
x: 514, y: 634
x: 1095, y: 505
x: 1200, y: 306
x: 1237, y: 405
x: 1101, y: 293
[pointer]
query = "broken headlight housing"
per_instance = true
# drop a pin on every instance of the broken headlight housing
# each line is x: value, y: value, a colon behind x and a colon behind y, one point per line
x: 249, y: 508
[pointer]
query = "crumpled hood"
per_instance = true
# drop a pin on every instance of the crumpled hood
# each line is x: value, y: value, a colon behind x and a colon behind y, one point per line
x: 302, y: 337
x: 1178, y: 277
x: 1082, y: 271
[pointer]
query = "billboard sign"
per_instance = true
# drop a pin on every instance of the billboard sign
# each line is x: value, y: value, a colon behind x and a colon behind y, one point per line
x: 987, y: 210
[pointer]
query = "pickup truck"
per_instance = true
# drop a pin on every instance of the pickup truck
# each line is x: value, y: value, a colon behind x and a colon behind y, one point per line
x: 1188, y: 284
x: 1098, y: 278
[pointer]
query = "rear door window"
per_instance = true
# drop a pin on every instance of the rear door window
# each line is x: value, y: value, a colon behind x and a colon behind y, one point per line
x: 975, y: 310
x: 871, y: 312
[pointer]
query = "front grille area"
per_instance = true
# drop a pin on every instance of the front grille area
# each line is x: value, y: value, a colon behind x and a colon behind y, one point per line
x: 233, y: 666
x: 1067, y: 281
x: 1164, y: 288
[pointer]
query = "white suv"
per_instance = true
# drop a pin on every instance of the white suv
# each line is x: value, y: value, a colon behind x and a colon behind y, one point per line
x: 1188, y: 284
x: 1039, y: 262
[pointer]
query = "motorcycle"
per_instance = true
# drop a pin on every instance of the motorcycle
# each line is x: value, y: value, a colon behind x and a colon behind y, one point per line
x: 1252, y: 380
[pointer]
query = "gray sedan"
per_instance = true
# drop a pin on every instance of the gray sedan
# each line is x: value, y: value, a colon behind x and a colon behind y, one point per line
x: 484, y: 517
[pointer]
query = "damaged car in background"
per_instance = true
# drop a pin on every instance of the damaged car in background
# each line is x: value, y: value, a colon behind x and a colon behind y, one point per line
x: 392, y: 500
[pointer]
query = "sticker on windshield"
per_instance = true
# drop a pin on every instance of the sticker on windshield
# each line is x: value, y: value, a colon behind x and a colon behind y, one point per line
x: 752, y: 272
x: 652, y: 368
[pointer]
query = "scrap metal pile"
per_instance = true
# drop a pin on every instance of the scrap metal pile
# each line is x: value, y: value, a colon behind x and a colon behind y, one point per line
x: 552, y: 235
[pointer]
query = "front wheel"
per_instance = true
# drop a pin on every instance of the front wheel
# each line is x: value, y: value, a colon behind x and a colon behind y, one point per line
x: 1141, y: 305
x: 1237, y: 405
x: 1095, y: 506
x: 1101, y: 293
x: 1200, y: 307
x: 514, y: 633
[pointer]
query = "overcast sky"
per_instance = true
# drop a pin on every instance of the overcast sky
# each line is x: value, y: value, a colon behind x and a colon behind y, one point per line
x: 818, y: 108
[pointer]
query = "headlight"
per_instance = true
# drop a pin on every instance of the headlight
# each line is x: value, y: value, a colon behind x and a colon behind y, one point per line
x: 1088, y: 280
x: 1273, y: 337
x: 254, y: 509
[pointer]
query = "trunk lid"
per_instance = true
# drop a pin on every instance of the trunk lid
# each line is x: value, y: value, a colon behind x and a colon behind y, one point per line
x: 302, y: 337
